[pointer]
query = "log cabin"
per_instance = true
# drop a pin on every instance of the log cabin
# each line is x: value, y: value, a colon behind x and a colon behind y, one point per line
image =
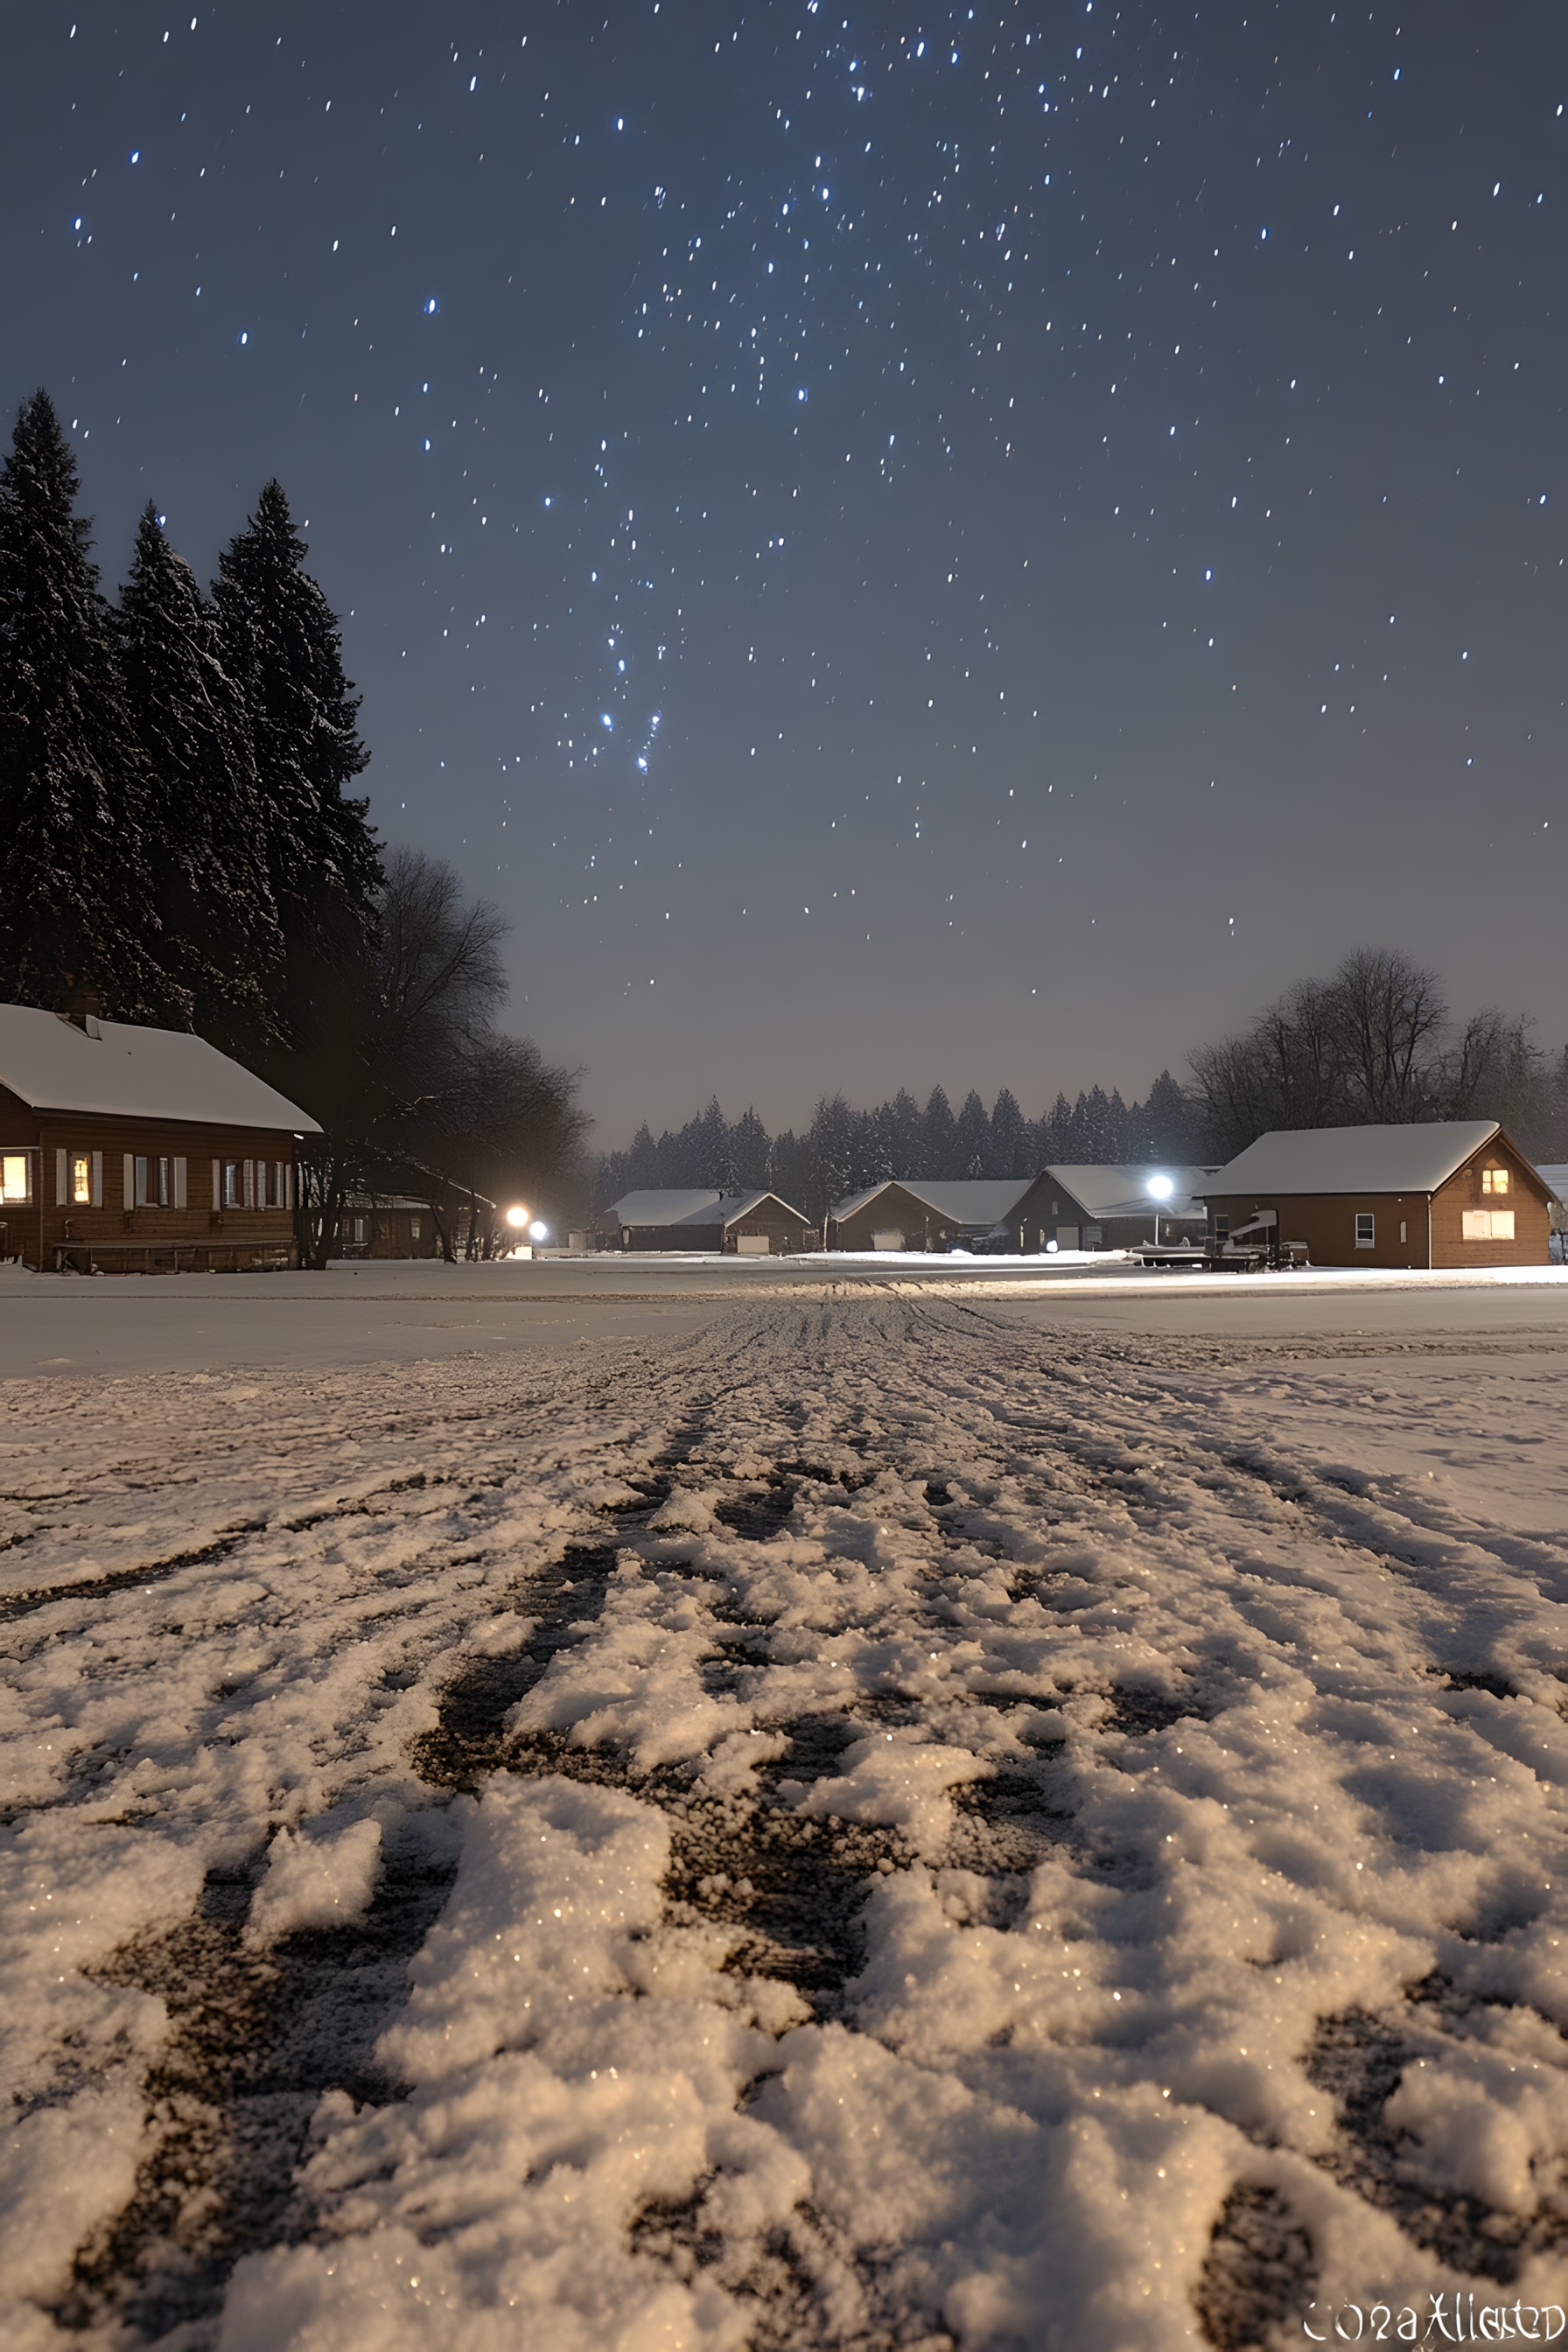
x: 128, y: 1149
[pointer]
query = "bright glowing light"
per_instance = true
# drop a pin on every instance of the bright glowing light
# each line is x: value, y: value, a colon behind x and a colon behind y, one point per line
x: 517, y: 1217
x: 539, y: 1230
x: 1160, y: 1188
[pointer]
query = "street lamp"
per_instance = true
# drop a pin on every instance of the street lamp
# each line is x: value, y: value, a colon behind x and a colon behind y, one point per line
x: 518, y: 1216
x: 1160, y: 1188
x: 539, y: 1230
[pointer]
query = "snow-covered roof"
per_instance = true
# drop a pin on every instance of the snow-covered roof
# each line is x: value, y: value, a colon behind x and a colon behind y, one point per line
x: 671, y: 1206
x: 1554, y: 1174
x: 976, y: 1201
x: 124, y: 1071
x: 1106, y: 1190
x: 1417, y: 1157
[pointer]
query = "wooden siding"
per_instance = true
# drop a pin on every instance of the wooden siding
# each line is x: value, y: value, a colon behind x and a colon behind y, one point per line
x: 389, y: 1232
x: 112, y: 1231
x: 895, y: 1211
x: 1433, y: 1222
x: 1527, y: 1197
x: 784, y: 1230
x: 1326, y: 1223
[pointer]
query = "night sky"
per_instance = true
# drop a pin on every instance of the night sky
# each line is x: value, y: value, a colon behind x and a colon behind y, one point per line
x: 972, y: 545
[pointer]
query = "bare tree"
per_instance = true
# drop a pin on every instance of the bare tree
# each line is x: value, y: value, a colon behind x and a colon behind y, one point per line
x: 1374, y: 1043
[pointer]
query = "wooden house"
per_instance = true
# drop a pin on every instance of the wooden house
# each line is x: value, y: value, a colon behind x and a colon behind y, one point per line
x: 742, y: 1225
x: 1447, y: 1192
x: 388, y: 1224
x: 909, y: 1213
x: 1089, y: 1206
x: 409, y: 1226
x: 129, y: 1150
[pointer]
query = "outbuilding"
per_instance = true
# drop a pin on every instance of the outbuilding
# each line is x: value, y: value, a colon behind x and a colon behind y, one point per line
x: 742, y: 1225
x: 130, y: 1150
x: 1447, y: 1192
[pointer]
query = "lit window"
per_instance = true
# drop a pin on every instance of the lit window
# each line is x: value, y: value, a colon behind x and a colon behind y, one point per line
x: 1494, y: 1180
x: 14, y: 1172
x: 1487, y: 1224
x: 231, y: 1191
x: 1366, y: 1229
x: 81, y: 1179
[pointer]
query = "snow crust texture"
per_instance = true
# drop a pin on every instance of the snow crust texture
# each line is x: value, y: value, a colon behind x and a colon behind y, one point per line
x: 871, y: 1826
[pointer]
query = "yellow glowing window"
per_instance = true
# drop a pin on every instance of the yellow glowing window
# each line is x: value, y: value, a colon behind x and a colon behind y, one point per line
x: 1494, y: 1180
x: 13, y: 1177
x: 82, y: 1180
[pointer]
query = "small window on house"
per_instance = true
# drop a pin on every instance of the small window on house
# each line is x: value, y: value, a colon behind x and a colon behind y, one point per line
x: 1222, y: 1229
x: 231, y: 1185
x: 414, y: 1229
x: 1494, y: 1180
x: 1487, y: 1224
x: 16, y: 1169
x: 1366, y: 1229
x: 81, y: 1179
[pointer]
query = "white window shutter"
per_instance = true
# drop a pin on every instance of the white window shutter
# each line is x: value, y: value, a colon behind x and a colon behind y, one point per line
x: 98, y: 1179
x: 180, y: 1168
x: 62, y: 1177
x: 128, y: 1196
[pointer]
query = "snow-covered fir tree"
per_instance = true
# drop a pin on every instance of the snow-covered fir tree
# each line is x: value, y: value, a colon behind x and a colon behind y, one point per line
x: 74, y: 886
x: 283, y: 647
x: 188, y: 734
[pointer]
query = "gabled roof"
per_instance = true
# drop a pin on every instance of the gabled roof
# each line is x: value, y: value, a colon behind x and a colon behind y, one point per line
x: 669, y: 1205
x: 1554, y: 1174
x: 122, y: 1070
x: 980, y: 1202
x: 1105, y: 1189
x: 1417, y: 1157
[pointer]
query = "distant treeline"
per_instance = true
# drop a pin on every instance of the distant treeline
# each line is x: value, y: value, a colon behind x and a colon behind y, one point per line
x: 844, y: 1148
x: 179, y: 843
x: 1374, y: 1043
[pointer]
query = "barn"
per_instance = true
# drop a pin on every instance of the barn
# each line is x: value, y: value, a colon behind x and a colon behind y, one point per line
x: 130, y: 1150
x: 743, y: 1225
x: 1447, y: 1192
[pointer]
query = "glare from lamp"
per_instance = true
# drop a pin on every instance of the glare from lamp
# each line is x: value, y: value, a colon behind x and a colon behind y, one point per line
x: 1160, y: 1188
x: 518, y: 1216
x: 539, y: 1230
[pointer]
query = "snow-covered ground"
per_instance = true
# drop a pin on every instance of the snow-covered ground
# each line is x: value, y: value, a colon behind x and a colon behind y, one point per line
x: 877, y: 1819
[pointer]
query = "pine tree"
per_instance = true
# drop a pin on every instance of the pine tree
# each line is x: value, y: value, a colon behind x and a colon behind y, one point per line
x: 1009, y: 1138
x: 972, y: 1138
x: 74, y: 898
x: 904, y: 1135
x: 189, y: 735
x: 1168, y: 1121
x: 939, y: 1146
x: 283, y: 647
x: 749, y: 1151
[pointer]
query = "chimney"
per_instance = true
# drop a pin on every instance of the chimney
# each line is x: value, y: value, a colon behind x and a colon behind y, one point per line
x: 82, y: 1006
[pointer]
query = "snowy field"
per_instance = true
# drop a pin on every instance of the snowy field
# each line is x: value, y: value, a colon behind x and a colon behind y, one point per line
x: 822, y: 1817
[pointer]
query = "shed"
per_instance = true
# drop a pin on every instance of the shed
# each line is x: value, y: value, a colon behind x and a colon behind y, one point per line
x: 131, y: 1149
x: 742, y: 1225
x: 1443, y: 1193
